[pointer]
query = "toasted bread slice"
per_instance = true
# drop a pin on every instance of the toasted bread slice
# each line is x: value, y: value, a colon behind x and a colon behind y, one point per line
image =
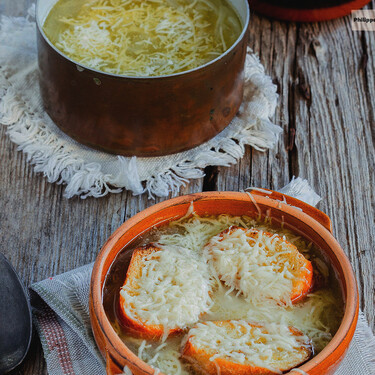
x: 240, y: 348
x: 133, y: 274
x: 164, y: 291
x: 259, y: 264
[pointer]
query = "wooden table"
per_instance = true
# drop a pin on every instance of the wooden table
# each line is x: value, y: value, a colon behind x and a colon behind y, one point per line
x: 325, y: 77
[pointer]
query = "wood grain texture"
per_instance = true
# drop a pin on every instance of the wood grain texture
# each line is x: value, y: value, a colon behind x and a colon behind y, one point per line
x: 325, y: 77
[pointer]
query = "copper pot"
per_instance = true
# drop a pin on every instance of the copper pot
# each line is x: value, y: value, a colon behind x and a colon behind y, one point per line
x: 307, y: 220
x: 142, y: 116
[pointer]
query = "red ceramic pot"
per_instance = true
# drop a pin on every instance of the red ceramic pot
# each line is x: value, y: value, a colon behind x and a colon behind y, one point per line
x: 307, y: 10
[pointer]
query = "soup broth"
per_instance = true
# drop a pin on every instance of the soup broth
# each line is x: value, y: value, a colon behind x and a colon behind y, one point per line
x: 142, y: 37
x: 318, y: 315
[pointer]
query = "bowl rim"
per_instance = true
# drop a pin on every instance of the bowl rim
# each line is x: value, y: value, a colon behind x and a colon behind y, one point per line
x: 348, y: 284
x: 245, y: 28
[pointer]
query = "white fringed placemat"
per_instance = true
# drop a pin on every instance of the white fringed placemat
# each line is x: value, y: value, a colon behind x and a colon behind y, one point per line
x: 87, y: 172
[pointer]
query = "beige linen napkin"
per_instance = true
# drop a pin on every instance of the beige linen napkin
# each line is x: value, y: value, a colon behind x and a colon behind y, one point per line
x: 61, y: 316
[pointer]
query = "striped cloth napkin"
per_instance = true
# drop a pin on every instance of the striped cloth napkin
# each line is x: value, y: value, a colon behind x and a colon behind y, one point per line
x: 61, y: 316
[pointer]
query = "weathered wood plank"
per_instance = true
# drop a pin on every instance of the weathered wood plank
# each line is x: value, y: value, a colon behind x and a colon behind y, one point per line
x: 335, y: 149
x: 276, y: 52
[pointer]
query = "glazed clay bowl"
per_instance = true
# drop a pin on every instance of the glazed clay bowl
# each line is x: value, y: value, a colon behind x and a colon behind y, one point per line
x: 141, y: 116
x: 307, y: 10
x: 313, y: 224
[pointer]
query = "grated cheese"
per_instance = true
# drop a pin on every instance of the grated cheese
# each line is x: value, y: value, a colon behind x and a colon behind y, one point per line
x: 271, y: 346
x: 255, y: 204
x: 173, y: 290
x: 318, y: 316
x: 166, y: 359
x: 260, y: 265
x: 142, y: 37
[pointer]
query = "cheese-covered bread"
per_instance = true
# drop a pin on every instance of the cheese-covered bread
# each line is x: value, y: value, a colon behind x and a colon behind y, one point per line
x: 165, y: 290
x: 236, y: 347
x: 260, y: 265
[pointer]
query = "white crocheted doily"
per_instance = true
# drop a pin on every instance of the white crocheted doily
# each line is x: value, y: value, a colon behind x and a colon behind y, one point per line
x: 87, y: 172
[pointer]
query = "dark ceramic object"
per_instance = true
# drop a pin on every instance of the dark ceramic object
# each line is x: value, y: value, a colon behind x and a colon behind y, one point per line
x: 15, y: 318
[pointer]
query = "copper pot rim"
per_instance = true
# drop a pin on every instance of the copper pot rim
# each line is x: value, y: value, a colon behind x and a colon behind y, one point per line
x: 348, y: 283
x: 207, y: 65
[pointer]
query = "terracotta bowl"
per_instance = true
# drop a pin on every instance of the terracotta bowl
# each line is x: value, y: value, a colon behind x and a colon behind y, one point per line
x: 296, y: 215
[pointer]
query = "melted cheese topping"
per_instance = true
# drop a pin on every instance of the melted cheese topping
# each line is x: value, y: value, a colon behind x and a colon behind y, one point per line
x: 144, y: 37
x: 272, y: 346
x: 164, y: 358
x: 318, y: 316
x: 257, y: 264
x: 173, y: 290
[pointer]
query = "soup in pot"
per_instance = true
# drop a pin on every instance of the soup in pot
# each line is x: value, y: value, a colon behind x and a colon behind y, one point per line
x: 142, y: 37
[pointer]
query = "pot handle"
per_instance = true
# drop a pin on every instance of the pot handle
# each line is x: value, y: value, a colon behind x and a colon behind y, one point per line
x: 316, y: 214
